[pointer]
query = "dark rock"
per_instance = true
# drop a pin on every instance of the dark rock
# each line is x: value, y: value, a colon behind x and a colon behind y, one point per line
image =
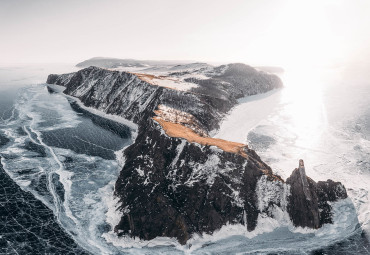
x: 308, y: 202
x: 329, y: 191
x: 52, y: 78
x: 170, y: 187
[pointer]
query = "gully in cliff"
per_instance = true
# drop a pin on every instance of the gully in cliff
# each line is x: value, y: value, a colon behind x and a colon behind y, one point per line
x: 177, y: 180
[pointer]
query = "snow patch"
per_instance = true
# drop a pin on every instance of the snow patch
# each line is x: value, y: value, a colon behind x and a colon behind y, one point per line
x: 173, y: 83
x: 269, y: 192
x: 173, y: 115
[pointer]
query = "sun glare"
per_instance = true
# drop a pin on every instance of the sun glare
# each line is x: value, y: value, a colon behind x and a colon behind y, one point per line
x: 302, y: 43
x: 300, y: 37
x: 303, y: 106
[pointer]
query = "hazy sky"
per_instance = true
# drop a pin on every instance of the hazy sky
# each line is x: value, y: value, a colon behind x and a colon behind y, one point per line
x: 275, y: 32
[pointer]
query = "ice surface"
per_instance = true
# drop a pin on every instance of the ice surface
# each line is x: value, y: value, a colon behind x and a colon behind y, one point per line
x: 65, y: 160
x: 27, y: 226
x: 250, y: 111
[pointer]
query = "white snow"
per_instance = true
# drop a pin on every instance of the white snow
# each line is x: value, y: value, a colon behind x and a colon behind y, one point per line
x: 179, y: 149
x: 205, y: 170
x: 250, y: 112
x: 140, y: 171
x: 176, y: 116
x: 275, y: 192
x: 173, y: 83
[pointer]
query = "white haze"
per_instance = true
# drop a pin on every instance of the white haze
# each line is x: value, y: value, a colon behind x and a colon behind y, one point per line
x: 259, y: 32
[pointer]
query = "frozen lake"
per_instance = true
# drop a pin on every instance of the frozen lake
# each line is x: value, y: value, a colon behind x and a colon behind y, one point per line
x: 67, y: 158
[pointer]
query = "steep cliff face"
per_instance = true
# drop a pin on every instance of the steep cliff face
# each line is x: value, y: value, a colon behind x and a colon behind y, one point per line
x: 309, y: 201
x: 303, y: 206
x: 123, y: 94
x: 177, y: 180
x: 172, y: 187
x: 126, y: 95
x: 134, y: 97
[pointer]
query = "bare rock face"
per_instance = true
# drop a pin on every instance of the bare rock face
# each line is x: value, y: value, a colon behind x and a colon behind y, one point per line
x: 303, y: 202
x: 308, y: 202
x: 329, y: 191
x: 170, y: 187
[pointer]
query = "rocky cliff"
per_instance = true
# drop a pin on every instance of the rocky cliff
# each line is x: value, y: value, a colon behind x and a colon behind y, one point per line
x: 177, y: 180
x: 173, y: 187
x: 309, y: 202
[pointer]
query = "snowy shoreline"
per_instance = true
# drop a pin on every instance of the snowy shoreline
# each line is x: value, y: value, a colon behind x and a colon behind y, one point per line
x: 246, y: 115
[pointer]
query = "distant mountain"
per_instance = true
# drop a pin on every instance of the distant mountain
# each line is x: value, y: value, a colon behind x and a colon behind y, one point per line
x: 150, y: 66
x: 271, y: 69
x: 116, y: 62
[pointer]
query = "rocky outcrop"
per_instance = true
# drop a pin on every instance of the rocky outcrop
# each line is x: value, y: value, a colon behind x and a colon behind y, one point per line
x: 177, y: 180
x: 172, y: 187
x: 303, y: 207
x: 309, y: 201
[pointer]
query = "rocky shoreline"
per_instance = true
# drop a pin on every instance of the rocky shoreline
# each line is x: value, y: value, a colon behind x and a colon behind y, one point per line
x: 177, y: 180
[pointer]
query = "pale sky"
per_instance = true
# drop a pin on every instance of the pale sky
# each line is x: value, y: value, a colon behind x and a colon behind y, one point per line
x: 258, y: 32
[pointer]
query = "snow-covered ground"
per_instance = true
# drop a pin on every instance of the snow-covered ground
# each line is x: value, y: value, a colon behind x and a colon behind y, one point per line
x: 246, y: 115
x: 168, y: 82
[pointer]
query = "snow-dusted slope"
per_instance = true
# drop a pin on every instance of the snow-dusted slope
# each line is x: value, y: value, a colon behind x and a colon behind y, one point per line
x: 129, y: 96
